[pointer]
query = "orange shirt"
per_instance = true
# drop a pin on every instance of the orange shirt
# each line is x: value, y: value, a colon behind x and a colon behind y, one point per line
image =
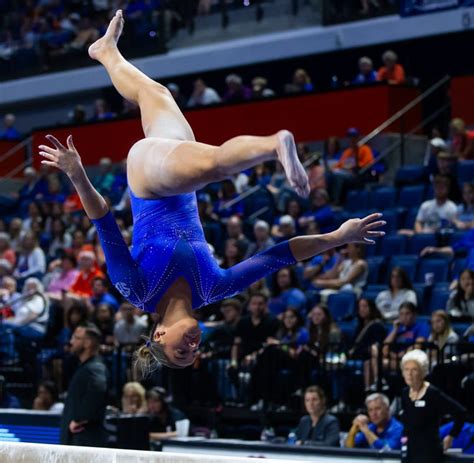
x: 364, y: 157
x: 396, y: 75
x: 83, y: 284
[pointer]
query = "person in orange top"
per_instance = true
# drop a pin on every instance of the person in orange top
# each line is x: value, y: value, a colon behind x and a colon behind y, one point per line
x: 355, y: 157
x: 462, y: 140
x: 88, y: 271
x: 392, y: 72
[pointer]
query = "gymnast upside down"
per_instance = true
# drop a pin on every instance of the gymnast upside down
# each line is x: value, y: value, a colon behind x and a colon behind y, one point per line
x: 170, y: 269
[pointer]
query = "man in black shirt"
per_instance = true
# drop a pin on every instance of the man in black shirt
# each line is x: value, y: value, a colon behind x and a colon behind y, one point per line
x: 82, y: 421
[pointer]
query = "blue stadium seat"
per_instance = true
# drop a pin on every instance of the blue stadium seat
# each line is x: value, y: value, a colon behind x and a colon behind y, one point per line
x: 382, y: 198
x: 420, y: 241
x: 391, y: 217
x: 393, y: 244
x: 410, y: 175
x: 372, y: 291
x: 348, y: 329
x: 459, y: 264
x: 356, y: 200
x: 376, y: 269
x: 262, y: 201
x: 342, y: 305
x: 440, y: 268
x: 312, y: 298
x: 465, y: 171
x: 410, y: 218
x: 420, y: 290
x: 407, y: 262
x: 438, y: 300
x: 411, y: 196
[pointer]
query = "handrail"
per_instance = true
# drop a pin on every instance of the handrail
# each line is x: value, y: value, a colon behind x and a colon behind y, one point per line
x: 404, y: 110
x: 242, y: 196
x: 17, y: 169
x: 16, y: 148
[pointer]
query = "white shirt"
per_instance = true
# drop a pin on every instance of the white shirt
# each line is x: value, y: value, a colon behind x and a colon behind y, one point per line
x: 388, y: 303
x: 35, y: 260
x: 207, y: 97
x: 36, y: 305
x: 126, y: 333
x: 431, y: 214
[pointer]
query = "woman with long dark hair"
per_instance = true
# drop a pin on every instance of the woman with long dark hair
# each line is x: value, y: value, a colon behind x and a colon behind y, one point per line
x: 286, y: 292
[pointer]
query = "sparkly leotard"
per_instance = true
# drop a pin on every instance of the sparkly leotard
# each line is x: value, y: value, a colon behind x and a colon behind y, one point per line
x: 168, y: 243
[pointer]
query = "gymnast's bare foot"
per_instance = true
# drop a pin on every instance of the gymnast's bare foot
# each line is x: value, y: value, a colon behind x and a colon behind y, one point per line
x: 109, y: 41
x: 288, y: 156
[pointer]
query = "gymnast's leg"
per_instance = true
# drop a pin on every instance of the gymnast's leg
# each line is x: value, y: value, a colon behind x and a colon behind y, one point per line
x: 161, y: 167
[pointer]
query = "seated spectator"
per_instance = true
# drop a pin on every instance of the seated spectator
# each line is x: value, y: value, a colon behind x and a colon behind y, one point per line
x: 133, y: 399
x: 332, y: 152
x: 7, y: 400
x: 226, y: 193
x: 350, y: 275
x: 392, y: 72
x: 15, y: 230
x: 318, y: 427
x: 75, y: 314
x: 47, y: 398
x: 462, y: 140
x: 285, y: 229
x: 105, y: 179
x: 286, y: 292
x: 442, y: 335
x: 321, y: 264
x: 6, y: 252
x: 260, y: 88
x: 263, y: 240
x: 87, y: 34
x: 60, y: 238
x: 379, y: 430
x: 321, y: 212
x: 31, y: 259
x: 261, y: 175
x: 435, y: 146
x: 203, y: 95
x: 10, y: 298
x: 400, y: 291
x: 406, y: 332
x: 82, y: 287
x: 131, y: 327
x: 464, y: 440
x: 461, y: 301
x: 103, y: 319
x: 355, y: 157
x: 102, y: 111
x: 34, y: 215
x: 62, y: 275
x: 233, y: 253
x: 175, y: 91
x: 437, y: 213
x: 101, y: 295
x: 234, y: 229
x: 236, y: 90
x: 366, y: 75
x: 78, y: 115
x: 9, y: 133
x: 163, y: 417
x: 301, y: 82
x: 465, y: 216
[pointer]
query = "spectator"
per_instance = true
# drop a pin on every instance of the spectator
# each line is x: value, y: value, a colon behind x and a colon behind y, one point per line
x: 350, y: 275
x: 82, y: 287
x: 321, y: 264
x: 102, y: 111
x: 435, y: 146
x: 31, y: 260
x: 263, y: 240
x: 9, y: 133
x: 101, y: 294
x: 103, y: 319
x: 285, y: 230
x: 6, y: 252
x: 47, y: 398
x: 236, y: 91
x: 34, y: 216
x: 75, y: 314
x: 465, y: 216
x: 332, y: 152
x: 379, y: 430
x: 437, y: 213
x: 235, y: 231
x: 462, y: 140
x: 355, y: 156
x: 465, y: 439
x: 318, y: 427
x: 163, y: 416
x: 60, y: 238
x: 15, y: 230
x: 260, y: 88
x: 366, y: 75
x: 63, y: 274
x: 392, y: 72
x: 286, y: 292
x: 203, y: 95
x: 400, y: 291
x: 233, y: 253
x: 10, y: 298
x: 461, y: 301
x: 7, y: 400
x: 301, y: 83
x: 87, y: 34
x: 177, y: 95
x: 226, y: 193
x: 321, y: 212
x: 105, y: 179
x: 442, y: 335
x: 131, y: 327
x: 82, y: 421
x: 78, y: 115
x: 133, y: 399
x: 423, y: 407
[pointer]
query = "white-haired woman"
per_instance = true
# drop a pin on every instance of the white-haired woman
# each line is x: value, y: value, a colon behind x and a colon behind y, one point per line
x: 423, y: 407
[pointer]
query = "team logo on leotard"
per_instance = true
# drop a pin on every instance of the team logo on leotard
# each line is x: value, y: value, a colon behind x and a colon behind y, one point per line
x: 123, y: 289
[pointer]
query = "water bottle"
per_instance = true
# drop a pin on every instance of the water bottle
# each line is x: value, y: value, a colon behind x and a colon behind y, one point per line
x: 292, y: 438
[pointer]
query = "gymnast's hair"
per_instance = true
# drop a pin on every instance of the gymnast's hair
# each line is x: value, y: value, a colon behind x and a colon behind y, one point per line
x: 151, y: 355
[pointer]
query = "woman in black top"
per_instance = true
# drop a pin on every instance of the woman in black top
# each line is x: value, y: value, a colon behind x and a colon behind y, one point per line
x: 423, y: 407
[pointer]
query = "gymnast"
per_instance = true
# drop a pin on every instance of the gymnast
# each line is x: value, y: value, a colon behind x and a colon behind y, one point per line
x: 170, y: 270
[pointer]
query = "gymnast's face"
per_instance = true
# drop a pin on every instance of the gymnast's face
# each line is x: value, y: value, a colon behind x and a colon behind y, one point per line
x: 180, y: 341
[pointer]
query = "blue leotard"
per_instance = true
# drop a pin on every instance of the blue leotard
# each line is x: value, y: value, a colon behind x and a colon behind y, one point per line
x: 168, y: 243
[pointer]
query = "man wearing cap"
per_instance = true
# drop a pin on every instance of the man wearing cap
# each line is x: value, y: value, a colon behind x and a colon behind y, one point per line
x: 355, y: 157
x: 263, y: 240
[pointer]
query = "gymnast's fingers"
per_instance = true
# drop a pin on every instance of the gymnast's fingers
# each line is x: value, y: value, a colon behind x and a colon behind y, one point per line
x: 70, y: 143
x: 56, y: 142
x: 49, y: 156
x: 371, y: 217
x: 47, y: 149
x: 50, y: 163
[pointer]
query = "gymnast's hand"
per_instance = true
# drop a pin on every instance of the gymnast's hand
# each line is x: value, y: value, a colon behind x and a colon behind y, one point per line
x: 361, y: 230
x: 65, y: 159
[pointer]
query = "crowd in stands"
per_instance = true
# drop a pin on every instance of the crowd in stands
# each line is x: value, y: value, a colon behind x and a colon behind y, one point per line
x: 342, y: 321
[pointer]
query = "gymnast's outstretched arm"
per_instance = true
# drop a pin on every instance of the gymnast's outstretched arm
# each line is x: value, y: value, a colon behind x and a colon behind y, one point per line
x: 69, y: 161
